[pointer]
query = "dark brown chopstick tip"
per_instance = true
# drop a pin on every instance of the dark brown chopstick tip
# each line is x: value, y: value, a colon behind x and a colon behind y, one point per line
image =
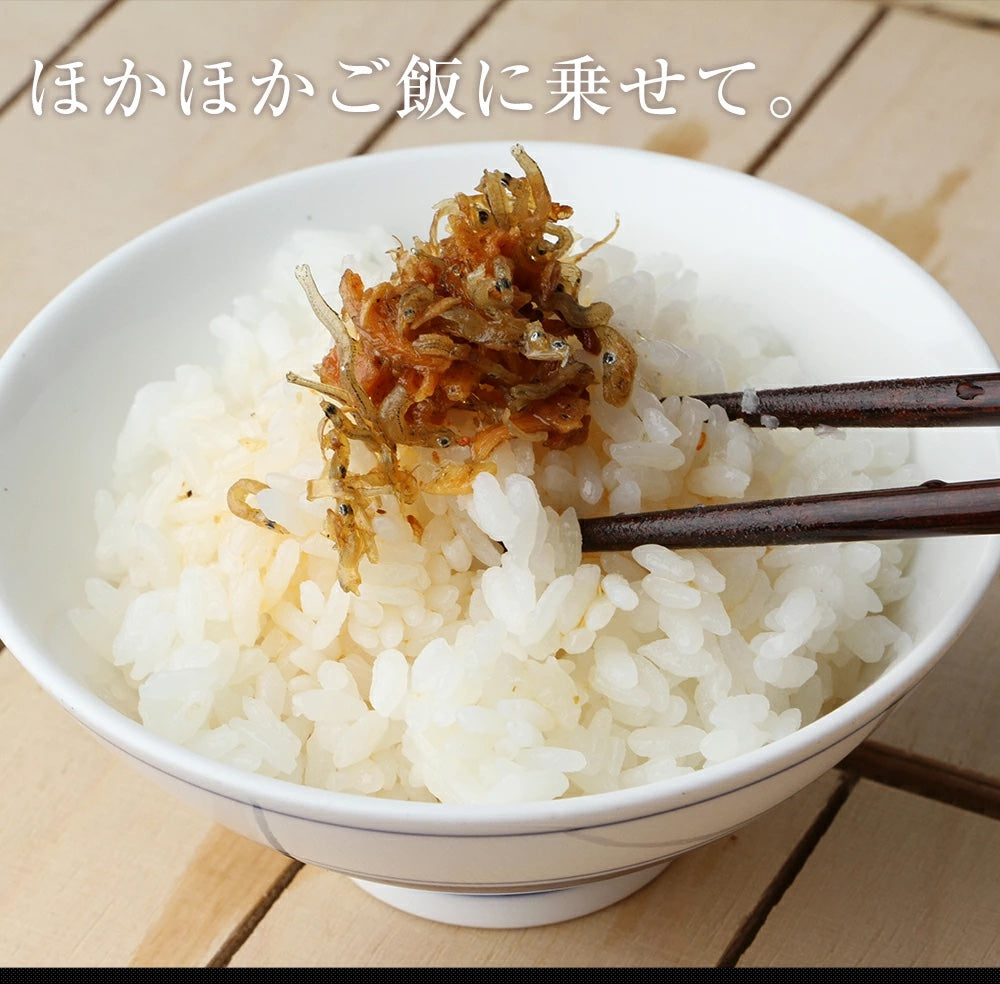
x: 967, y: 400
x: 933, y: 509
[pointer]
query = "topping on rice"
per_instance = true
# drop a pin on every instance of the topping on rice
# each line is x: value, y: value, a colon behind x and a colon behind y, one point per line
x: 475, y: 338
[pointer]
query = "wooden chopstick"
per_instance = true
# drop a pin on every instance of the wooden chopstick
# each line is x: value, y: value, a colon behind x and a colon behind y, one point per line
x: 933, y: 509
x: 931, y: 401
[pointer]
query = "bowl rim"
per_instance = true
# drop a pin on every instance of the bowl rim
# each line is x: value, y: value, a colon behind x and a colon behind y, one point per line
x: 585, y: 811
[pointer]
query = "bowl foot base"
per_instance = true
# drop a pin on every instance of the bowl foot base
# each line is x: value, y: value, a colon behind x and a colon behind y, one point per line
x: 514, y: 911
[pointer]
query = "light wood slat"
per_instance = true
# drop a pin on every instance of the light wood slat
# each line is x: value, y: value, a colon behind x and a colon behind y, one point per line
x: 916, y: 160
x: 98, y: 866
x: 793, y: 51
x: 912, y: 152
x: 87, y: 182
x: 696, y: 907
x: 33, y: 29
x: 952, y: 716
x: 897, y: 881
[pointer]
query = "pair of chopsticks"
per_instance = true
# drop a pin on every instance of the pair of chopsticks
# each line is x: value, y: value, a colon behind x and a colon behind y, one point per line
x: 935, y: 508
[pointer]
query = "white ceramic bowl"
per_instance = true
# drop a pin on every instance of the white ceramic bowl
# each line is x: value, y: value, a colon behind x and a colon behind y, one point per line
x: 852, y: 305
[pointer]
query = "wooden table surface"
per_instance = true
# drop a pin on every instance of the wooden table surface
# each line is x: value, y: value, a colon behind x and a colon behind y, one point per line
x: 891, y: 859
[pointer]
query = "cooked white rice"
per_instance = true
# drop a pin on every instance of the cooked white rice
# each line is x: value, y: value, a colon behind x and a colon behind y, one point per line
x: 462, y: 672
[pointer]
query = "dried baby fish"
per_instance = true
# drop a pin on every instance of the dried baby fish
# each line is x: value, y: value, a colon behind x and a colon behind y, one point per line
x: 478, y: 336
x: 236, y: 500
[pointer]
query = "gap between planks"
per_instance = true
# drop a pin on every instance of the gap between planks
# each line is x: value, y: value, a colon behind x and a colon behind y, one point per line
x: 885, y: 766
x: 925, y: 777
x: 963, y: 16
x: 241, y: 932
x: 471, y: 31
x: 795, y: 121
x: 787, y: 873
x: 85, y: 28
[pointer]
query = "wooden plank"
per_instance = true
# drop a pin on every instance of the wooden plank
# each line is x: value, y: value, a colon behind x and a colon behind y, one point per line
x: 915, y: 159
x: 91, y: 847
x: 696, y: 907
x: 87, y: 182
x: 897, y: 881
x: 952, y: 716
x: 912, y: 152
x: 36, y: 30
x: 792, y: 52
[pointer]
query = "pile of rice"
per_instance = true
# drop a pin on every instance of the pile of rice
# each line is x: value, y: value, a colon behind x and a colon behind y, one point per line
x: 463, y: 672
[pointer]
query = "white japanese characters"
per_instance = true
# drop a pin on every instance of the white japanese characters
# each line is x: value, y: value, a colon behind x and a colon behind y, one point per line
x: 426, y: 88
